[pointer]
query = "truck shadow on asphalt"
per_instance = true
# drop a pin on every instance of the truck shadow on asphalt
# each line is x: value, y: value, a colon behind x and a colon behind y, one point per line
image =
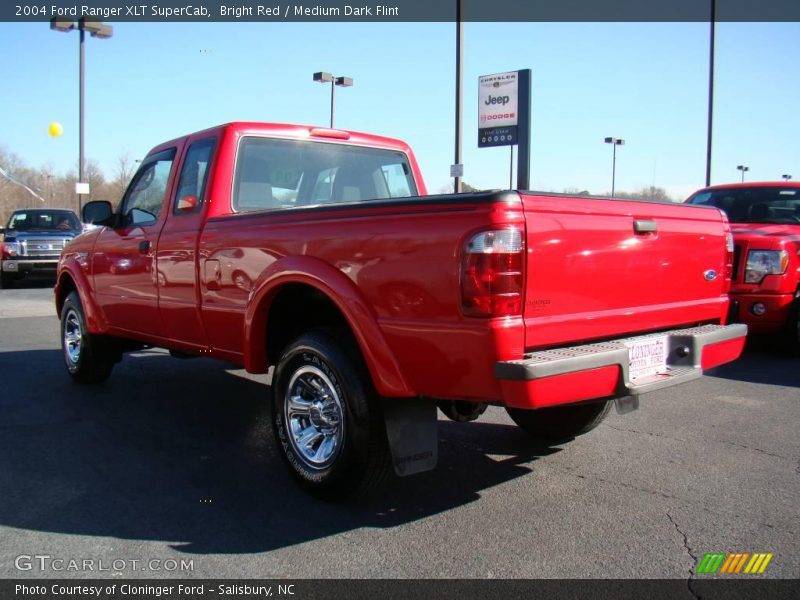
x: 182, y: 452
x: 33, y: 283
x: 762, y: 362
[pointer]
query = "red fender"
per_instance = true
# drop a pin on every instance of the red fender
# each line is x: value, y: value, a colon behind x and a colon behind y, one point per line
x: 337, y: 287
x: 71, y: 267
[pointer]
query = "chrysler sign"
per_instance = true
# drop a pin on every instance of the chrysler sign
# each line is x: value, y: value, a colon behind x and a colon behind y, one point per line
x: 498, y: 106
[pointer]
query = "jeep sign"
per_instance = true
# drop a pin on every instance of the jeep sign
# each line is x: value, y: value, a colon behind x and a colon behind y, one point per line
x: 498, y: 109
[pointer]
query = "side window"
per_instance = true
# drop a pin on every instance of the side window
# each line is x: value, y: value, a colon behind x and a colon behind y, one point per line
x: 145, y: 196
x: 253, y: 183
x: 323, y: 188
x: 703, y: 199
x: 397, y: 181
x: 192, y: 182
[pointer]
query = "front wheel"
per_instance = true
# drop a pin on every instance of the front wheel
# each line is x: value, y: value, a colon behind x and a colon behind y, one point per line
x: 326, y: 418
x: 559, y: 423
x: 89, y: 358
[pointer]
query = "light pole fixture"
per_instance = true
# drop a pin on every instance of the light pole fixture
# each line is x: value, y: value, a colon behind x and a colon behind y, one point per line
x: 786, y: 177
x: 324, y: 77
x: 712, y: 30
x: 96, y: 29
x: 743, y: 169
x: 457, y: 183
x: 614, y: 143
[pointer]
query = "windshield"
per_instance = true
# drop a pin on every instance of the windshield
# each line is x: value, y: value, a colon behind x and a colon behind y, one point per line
x: 754, y: 205
x: 38, y: 220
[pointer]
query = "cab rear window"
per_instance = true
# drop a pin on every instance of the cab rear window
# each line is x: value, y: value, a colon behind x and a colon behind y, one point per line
x: 274, y: 174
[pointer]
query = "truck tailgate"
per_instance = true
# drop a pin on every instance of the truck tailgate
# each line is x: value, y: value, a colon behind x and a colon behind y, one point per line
x: 604, y: 268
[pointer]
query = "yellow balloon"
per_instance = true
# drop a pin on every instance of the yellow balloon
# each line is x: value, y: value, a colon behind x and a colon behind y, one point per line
x: 55, y: 129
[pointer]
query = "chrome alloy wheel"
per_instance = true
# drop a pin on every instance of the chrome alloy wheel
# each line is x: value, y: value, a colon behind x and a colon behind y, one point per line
x: 73, y: 338
x: 314, y: 417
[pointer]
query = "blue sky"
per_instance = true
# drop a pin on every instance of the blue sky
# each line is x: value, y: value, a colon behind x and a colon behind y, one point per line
x: 644, y: 82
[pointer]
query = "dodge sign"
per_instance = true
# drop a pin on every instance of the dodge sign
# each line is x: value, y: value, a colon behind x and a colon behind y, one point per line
x: 498, y: 109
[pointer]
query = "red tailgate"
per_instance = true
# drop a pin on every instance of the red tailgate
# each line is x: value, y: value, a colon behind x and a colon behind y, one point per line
x: 604, y: 268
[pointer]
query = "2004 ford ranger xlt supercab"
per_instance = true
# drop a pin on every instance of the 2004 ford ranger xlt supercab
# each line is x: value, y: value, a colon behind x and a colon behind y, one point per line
x: 317, y: 254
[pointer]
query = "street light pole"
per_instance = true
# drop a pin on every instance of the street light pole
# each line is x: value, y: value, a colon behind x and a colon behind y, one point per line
x: 323, y: 77
x: 459, y: 92
x: 96, y: 29
x: 81, y: 95
x: 743, y: 169
x: 614, y: 143
x: 712, y: 30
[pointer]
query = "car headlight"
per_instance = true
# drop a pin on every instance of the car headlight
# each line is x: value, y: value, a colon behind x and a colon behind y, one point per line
x: 761, y: 263
x: 11, y: 249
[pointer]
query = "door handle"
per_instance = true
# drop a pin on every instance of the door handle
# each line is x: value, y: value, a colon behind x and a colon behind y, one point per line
x: 144, y: 247
x: 645, y: 226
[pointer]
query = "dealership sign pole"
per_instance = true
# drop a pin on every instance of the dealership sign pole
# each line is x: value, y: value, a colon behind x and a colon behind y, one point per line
x: 504, y: 116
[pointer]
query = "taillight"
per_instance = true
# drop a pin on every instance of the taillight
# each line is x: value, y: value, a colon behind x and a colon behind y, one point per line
x: 729, y: 257
x: 492, y: 274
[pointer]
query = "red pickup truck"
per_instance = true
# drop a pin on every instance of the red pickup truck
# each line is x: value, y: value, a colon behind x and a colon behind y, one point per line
x: 765, y: 222
x: 315, y: 254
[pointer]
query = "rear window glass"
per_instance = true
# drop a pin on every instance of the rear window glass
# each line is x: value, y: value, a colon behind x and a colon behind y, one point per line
x: 273, y: 174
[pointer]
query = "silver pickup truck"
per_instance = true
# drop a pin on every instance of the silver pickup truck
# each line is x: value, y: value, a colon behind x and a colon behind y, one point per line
x: 34, y: 239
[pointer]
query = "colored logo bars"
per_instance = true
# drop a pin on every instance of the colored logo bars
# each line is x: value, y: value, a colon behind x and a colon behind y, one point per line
x: 734, y: 563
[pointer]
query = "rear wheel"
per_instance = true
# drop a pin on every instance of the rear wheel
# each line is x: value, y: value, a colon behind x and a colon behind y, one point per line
x: 6, y: 280
x: 89, y: 358
x: 560, y: 423
x: 326, y: 418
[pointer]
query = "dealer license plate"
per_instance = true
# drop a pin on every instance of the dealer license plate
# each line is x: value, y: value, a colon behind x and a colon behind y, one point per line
x: 647, y: 357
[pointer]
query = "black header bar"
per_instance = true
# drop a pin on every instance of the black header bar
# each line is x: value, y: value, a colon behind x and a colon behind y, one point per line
x: 273, y: 11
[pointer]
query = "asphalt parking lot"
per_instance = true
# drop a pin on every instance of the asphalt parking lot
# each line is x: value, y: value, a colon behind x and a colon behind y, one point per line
x: 171, y: 464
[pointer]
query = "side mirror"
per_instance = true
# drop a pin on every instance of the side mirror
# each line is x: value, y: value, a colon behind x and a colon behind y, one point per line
x: 186, y: 204
x: 98, y: 212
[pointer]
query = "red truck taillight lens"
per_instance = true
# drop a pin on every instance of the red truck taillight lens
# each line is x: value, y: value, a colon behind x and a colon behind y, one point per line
x: 729, y: 256
x: 492, y: 274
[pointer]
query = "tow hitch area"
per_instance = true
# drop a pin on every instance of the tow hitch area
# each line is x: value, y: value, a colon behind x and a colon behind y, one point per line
x: 623, y: 368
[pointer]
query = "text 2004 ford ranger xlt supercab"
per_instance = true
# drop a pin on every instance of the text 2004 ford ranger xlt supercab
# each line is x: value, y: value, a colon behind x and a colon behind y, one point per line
x: 317, y: 252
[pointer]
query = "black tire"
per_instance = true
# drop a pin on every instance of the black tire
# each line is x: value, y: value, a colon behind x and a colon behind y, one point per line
x: 560, y: 423
x: 322, y: 389
x: 6, y: 280
x: 89, y: 358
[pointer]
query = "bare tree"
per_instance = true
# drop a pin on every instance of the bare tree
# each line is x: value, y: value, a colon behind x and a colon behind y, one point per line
x: 650, y: 193
x: 122, y: 175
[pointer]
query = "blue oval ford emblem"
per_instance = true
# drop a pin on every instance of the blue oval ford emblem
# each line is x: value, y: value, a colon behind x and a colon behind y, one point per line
x: 710, y: 275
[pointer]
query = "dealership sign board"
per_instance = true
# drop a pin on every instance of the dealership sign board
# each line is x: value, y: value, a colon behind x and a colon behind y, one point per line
x: 498, y: 109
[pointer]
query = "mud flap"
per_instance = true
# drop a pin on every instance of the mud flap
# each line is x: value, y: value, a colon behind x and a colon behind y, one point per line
x: 626, y: 404
x: 412, y: 430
